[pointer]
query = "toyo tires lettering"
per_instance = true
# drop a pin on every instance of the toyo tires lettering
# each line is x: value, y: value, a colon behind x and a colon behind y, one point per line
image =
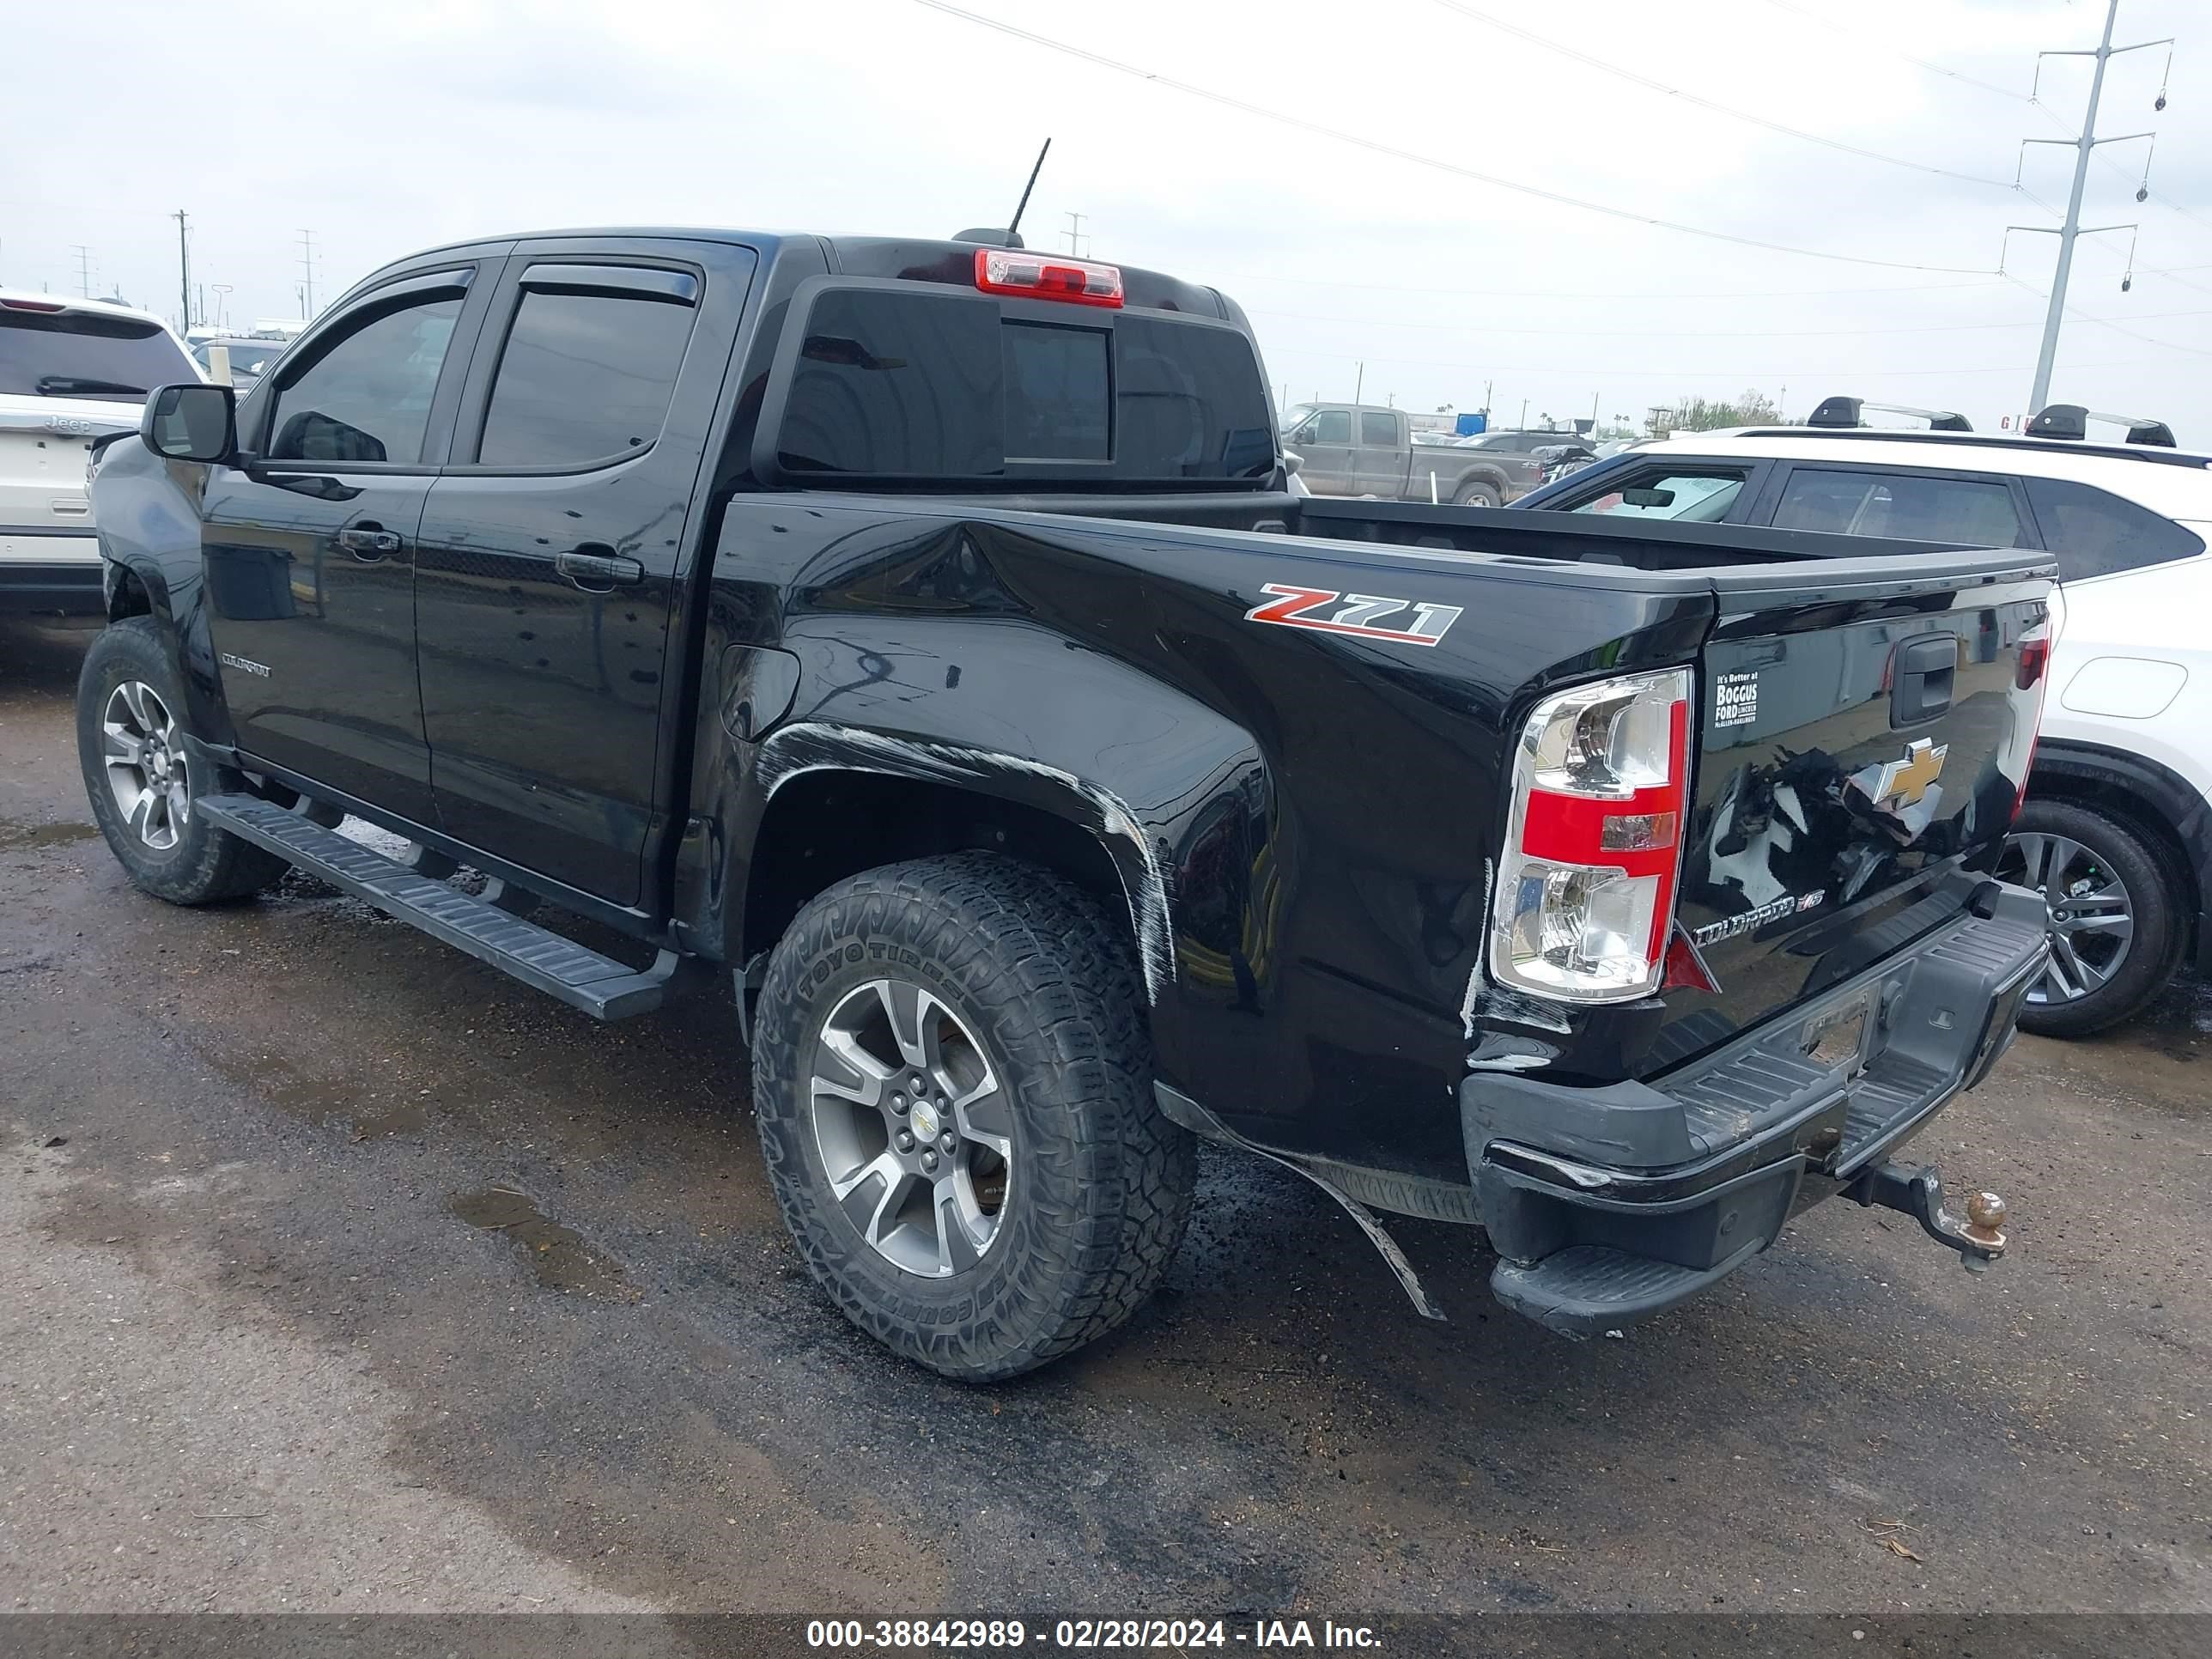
x: 1326, y: 610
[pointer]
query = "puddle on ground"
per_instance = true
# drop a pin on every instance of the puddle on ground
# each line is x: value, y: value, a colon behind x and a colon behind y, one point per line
x: 14, y: 835
x: 560, y: 1258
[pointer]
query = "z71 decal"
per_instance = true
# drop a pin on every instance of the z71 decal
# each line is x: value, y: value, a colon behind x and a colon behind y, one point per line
x: 1358, y: 614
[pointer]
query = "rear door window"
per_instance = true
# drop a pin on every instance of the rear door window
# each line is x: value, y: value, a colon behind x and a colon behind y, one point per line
x: 1901, y: 505
x: 82, y: 354
x: 2094, y: 532
x: 585, y: 376
x: 1378, y: 431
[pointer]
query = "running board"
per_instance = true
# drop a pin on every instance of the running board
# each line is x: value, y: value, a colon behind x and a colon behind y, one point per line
x: 582, y: 978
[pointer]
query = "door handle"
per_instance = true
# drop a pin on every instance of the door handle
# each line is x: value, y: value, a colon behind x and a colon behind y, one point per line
x: 367, y: 543
x: 598, y: 572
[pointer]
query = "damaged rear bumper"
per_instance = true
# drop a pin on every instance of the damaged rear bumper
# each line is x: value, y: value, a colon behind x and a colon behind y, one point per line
x: 1609, y: 1205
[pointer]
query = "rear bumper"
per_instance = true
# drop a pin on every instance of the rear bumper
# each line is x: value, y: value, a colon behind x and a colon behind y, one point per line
x: 51, y: 575
x: 1609, y: 1205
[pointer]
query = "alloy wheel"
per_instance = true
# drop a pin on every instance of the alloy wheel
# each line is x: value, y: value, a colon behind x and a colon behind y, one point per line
x: 148, y: 773
x: 2093, y: 920
x: 914, y: 1128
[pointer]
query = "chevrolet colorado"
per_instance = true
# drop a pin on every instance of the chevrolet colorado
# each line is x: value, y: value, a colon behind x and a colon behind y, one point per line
x: 924, y: 634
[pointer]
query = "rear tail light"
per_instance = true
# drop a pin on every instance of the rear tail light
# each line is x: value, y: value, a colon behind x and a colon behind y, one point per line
x: 1585, y: 899
x: 2033, y: 674
x: 1047, y: 276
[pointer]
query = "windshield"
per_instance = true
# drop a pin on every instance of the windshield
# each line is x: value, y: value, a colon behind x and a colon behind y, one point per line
x: 251, y: 357
x: 1694, y: 499
x: 77, y: 353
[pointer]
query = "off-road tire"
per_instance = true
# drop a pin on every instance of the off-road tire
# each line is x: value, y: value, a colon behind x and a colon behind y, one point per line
x: 2156, y: 949
x: 205, y: 866
x: 1100, y: 1183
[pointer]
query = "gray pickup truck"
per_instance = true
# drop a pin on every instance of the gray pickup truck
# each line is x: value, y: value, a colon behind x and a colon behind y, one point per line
x: 1366, y: 449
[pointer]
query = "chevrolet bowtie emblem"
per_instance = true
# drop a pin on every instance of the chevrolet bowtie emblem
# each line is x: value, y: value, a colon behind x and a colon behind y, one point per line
x: 1904, y: 783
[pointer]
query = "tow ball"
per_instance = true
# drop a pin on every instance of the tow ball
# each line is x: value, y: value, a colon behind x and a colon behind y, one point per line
x: 1979, y: 1239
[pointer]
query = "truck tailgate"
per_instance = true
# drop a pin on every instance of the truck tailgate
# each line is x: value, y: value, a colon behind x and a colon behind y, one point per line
x: 1860, y: 749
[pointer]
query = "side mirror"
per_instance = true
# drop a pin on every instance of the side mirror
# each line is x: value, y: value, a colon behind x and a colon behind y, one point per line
x: 194, y: 422
x: 1291, y: 464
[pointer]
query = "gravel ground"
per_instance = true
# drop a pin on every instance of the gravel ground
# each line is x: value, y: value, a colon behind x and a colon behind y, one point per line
x: 338, y: 1273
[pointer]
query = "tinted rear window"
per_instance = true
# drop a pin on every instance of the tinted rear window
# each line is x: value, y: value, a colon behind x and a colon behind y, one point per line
x: 74, y: 353
x: 2094, y: 533
x: 935, y: 385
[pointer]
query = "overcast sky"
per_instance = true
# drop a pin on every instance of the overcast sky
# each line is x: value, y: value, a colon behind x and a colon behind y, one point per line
x: 385, y: 127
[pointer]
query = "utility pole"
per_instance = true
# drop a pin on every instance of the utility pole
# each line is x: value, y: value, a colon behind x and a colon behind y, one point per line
x: 84, y: 272
x: 307, y: 267
x: 221, y: 302
x: 183, y: 275
x: 1359, y: 383
x: 1074, y: 234
x: 2083, y: 144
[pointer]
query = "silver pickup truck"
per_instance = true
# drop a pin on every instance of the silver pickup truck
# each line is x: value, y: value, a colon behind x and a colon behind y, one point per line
x: 1366, y: 449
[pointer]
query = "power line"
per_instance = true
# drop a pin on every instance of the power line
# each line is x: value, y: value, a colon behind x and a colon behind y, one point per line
x: 2080, y: 316
x: 1378, y: 148
x: 1599, y: 63
x: 1890, y: 51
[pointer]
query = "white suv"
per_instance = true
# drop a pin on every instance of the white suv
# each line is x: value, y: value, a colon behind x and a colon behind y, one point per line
x: 71, y: 370
x: 2117, y: 827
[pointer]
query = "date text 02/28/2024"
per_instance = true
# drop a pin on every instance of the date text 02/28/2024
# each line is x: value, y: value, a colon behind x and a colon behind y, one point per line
x: 1073, y: 1635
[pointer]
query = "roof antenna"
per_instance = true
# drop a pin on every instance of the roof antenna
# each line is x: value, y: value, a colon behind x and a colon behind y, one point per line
x: 1011, y: 235
x: 1014, y: 230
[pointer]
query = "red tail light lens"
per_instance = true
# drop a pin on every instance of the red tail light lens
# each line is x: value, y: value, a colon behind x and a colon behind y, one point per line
x: 1045, y: 276
x: 1585, y: 896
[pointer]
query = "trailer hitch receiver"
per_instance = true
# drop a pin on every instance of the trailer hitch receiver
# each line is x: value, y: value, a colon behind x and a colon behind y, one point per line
x: 1979, y: 1239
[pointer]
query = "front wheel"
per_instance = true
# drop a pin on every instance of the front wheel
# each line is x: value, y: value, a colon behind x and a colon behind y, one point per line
x: 142, y: 780
x: 2113, y: 942
x: 952, y: 1078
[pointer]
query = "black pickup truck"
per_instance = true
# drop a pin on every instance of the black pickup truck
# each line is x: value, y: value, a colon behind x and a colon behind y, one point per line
x: 924, y: 633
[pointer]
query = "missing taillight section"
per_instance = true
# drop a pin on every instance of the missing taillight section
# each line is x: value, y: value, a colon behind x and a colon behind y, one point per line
x: 1585, y: 899
x: 1046, y: 277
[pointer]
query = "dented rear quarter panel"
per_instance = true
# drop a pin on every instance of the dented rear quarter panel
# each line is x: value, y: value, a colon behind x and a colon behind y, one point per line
x: 1304, y: 822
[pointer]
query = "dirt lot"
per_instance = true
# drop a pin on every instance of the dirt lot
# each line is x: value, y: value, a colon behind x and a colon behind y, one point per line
x: 337, y: 1272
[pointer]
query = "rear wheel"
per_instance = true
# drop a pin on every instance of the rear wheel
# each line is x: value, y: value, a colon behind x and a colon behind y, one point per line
x: 1476, y: 495
x: 952, y: 1078
x: 142, y: 780
x: 2113, y: 942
